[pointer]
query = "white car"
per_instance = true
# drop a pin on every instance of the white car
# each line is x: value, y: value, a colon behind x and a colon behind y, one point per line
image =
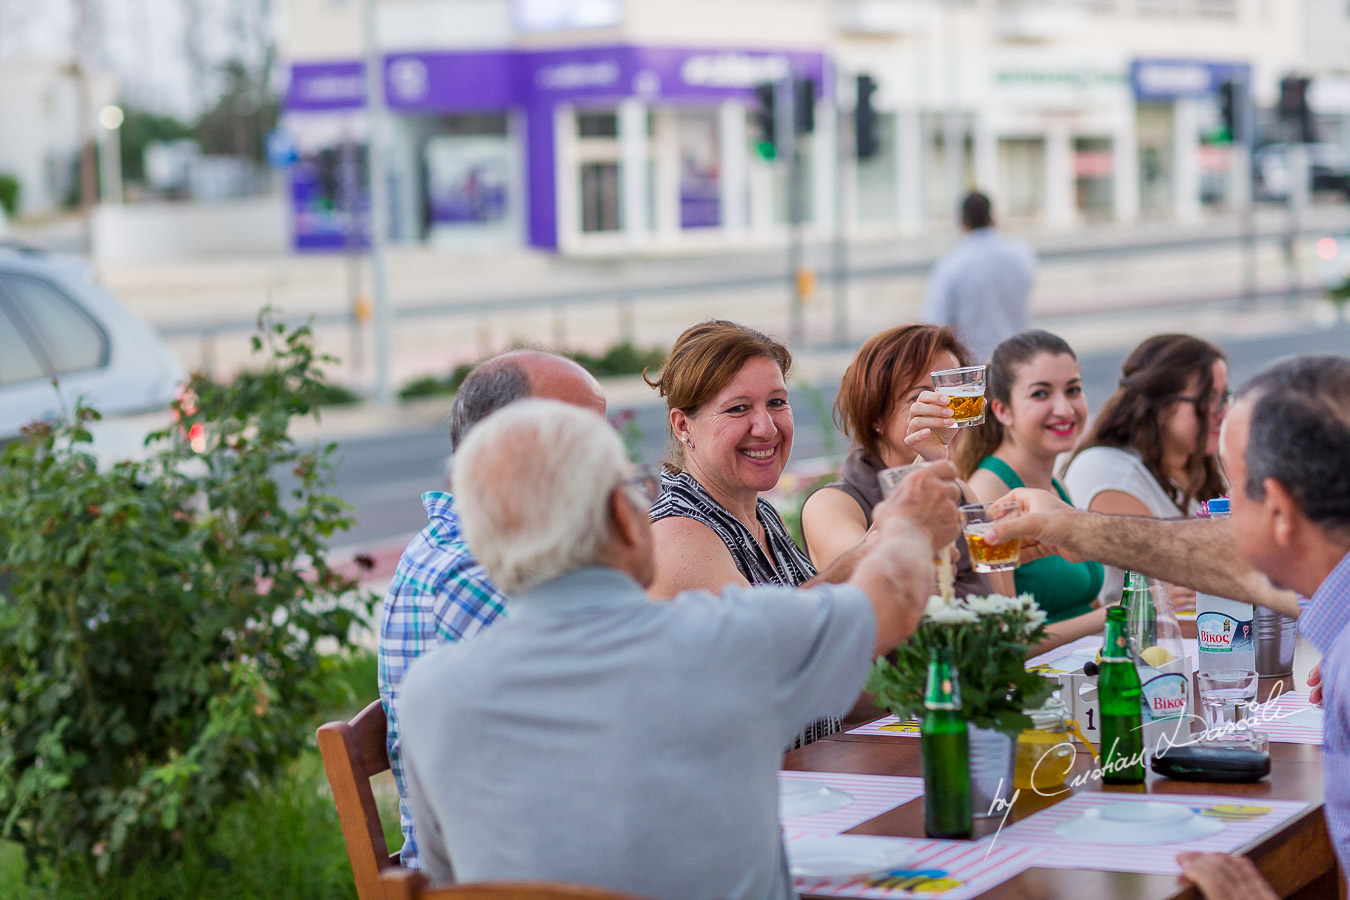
x: 62, y: 338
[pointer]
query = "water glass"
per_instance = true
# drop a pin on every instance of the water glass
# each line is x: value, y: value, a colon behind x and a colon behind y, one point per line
x: 976, y: 519
x: 964, y: 390
x: 1225, y: 697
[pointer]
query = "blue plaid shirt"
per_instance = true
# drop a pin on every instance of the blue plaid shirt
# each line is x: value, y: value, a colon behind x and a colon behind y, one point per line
x: 1324, y: 622
x: 439, y: 594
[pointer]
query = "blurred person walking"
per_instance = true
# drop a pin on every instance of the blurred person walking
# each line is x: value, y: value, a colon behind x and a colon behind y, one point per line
x: 982, y: 288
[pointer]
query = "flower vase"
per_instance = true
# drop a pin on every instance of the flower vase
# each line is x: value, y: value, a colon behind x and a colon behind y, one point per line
x: 991, y: 771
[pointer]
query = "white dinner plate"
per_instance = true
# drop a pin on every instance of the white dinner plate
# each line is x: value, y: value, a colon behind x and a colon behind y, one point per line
x: 1141, y: 823
x: 843, y: 857
x: 1073, y: 662
x: 801, y: 796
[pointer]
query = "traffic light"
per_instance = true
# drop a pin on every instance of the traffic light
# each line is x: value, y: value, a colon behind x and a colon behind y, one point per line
x: 804, y: 94
x: 1230, y: 96
x: 766, y: 124
x: 1294, y: 109
x: 866, y: 139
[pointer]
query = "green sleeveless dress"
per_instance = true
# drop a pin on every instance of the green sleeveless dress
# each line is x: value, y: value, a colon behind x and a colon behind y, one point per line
x: 1061, y: 588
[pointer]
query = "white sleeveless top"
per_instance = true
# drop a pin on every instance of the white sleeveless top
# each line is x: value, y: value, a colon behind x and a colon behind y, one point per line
x: 1099, y: 469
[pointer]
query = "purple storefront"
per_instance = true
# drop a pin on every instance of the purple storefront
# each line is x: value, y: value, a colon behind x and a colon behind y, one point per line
x: 600, y: 148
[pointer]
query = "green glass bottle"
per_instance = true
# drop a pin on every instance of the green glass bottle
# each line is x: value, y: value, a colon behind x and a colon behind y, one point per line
x: 946, y: 753
x: 1140, y: 611
x: 1120, y: 698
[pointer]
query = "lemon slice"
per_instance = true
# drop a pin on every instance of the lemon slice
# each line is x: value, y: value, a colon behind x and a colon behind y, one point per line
x: 1156, y: 656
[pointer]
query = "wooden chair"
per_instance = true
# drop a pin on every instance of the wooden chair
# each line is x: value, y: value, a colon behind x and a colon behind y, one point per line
x: 405, y: 884
x: 354, y: 752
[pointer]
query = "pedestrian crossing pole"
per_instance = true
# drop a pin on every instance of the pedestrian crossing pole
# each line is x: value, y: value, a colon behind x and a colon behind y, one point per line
x: 379, y: 205
x: 785, y: 121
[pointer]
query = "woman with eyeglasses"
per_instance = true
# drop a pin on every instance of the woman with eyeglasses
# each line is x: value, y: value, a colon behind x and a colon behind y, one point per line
x: 1153, y: 449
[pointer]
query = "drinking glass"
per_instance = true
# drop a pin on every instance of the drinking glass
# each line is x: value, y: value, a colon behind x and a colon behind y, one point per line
x: 976, y: 519
x: 964, y: 390
x: 890, y: 480
x: 1225, y: 695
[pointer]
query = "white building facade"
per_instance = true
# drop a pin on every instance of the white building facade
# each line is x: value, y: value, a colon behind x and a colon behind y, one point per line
x: 40, y: 136
x: 614, y: 126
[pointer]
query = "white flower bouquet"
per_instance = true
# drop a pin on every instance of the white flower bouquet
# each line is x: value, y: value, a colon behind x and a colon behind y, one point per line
x: 988, y: 639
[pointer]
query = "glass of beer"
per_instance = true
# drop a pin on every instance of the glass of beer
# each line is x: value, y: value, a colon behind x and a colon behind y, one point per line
x: 964, y: 390
x: 976, y: 519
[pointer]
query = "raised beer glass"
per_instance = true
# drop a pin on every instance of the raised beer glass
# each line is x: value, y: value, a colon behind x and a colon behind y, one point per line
x: 964, y: 390
x: 976, y: 519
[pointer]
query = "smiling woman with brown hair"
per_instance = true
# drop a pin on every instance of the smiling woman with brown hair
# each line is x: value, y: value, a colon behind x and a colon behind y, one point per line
x: 731, y: 428
x: 887, y: 408
x: 731, y: 435
x: 1036, y: 411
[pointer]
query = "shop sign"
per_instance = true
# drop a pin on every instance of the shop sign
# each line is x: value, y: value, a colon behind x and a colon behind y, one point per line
x: 320, y: 86
x: 1172, y: 79
x: 474, y: 81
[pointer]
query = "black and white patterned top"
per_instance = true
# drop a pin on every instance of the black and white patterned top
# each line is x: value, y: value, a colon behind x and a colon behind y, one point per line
x: 682, y: 495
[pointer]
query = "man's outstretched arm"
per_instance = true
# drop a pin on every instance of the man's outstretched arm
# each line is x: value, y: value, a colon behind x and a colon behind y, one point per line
x: 1196, y: 553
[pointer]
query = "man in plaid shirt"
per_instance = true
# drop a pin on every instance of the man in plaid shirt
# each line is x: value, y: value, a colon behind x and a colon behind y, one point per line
x: 439, y: 592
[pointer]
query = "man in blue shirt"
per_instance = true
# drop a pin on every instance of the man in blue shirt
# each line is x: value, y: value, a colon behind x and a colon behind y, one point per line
x: 439, y: 592
x: 601, y: 737
x: 982, y: 288
x: 1286, y: 450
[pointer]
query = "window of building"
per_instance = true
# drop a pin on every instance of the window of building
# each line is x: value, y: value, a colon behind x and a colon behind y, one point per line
x: 1158, y: 7
x: 1217, y: 9
x: 487, y: 124
x: 68, y: 337
x: 597, y: 124
x: 600, y: 197
x: 18, y: 363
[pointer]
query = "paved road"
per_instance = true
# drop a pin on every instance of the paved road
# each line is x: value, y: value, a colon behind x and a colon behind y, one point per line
x: 383, y: 475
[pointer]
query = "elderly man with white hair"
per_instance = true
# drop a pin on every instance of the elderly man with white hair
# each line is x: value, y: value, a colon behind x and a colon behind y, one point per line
x: 600, y: 737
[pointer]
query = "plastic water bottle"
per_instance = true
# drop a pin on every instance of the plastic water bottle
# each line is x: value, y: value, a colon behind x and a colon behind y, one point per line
x: 1225, y: 628
x: 1160, y: 659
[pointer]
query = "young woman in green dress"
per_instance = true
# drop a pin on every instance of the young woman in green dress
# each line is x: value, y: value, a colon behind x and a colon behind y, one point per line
x: 1036, y: 411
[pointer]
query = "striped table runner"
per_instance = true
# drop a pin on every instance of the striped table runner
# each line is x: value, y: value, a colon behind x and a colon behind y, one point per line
x: 872, y: 795
x: 1244, y: 819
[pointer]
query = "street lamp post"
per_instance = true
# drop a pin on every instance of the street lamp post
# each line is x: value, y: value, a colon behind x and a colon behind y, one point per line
x: 379, y: 205
x: 110, y: 153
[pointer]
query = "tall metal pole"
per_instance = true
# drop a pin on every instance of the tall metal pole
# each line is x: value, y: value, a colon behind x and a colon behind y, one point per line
x: 1246, y: 140
x: 785, y: 122
x: 843, y: 146
x: 1296, y: 168
x: 379, y: 205
x: 953, y: 121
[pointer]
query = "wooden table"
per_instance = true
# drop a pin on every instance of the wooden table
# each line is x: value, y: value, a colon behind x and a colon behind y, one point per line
x: 1297, y: 858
